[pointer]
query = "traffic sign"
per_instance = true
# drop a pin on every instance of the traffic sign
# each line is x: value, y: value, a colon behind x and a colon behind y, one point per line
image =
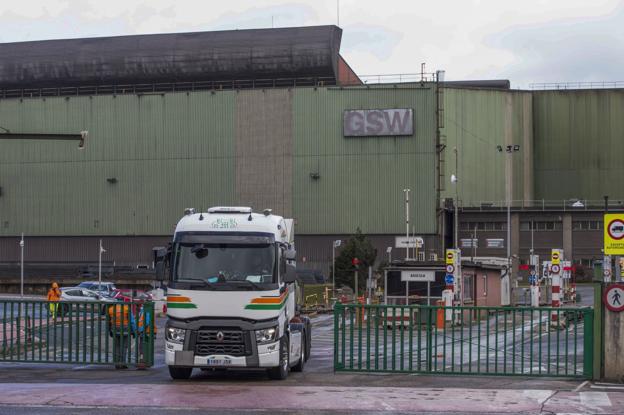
x: 607, y: 272
x: 532, y: 279
x: 555, y: 268
x: 555, y: 257
x: 449, y: 279
x: 614, y: 234
x: 450, y: 256
x: 614, y: 298
x: 533, y: 272
x: 450, y: 269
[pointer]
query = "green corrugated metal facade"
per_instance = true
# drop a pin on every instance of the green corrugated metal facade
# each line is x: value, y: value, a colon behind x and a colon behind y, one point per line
x: 579, y: 144
x: 176, y: 150
x: 362, y: 179
x: 475, y: 122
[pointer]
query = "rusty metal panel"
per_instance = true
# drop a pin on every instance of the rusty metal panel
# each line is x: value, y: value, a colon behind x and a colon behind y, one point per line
x: 175, y: 57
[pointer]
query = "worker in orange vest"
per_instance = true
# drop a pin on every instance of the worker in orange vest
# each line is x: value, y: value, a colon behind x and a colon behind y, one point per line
x: 54, y: 296
x: 120, y: 329
x: 143, y: 328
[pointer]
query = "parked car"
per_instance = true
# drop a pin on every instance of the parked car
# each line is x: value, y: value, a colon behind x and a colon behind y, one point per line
x: 128, y: 295
x: 79, y: 294
x: 107, y: 288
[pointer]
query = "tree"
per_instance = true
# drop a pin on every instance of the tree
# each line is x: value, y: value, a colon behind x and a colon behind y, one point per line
x: 358, y: 246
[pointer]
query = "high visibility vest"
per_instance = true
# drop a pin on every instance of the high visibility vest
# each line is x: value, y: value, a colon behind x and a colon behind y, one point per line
x: 54, y: 294
x: 144, y: 322
x: 119, y: 315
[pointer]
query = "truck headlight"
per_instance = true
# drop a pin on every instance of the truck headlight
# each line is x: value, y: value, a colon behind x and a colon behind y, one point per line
x: 175, y: 335
x: 266, y: 335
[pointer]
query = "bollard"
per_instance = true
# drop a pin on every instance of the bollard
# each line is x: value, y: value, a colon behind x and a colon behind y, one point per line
x: 440, y: 315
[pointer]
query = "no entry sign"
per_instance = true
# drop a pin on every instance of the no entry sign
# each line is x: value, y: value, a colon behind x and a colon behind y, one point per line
x: 614, y: 298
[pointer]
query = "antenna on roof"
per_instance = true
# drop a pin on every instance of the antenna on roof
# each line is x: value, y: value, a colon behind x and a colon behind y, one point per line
x: 338, y: 13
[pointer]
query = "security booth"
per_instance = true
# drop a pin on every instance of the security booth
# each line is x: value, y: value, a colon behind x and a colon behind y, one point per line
x: 422, y: 282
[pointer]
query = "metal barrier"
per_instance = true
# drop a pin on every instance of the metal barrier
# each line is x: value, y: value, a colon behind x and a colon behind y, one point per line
x: 479, y: 340
x: 119, y: 333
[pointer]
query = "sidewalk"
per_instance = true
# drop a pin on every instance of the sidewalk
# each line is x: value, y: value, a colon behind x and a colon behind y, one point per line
x: 313, y: 398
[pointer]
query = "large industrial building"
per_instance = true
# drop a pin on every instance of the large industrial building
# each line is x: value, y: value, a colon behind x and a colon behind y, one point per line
x: 276, y: 118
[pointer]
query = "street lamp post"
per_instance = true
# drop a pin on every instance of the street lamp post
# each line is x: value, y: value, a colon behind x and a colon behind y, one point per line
x: 21, y: 244
x: 510, y: 150
x: 406, y: 191
x: 455, y: 179
x: 102, y: 250
x: 335, y: 245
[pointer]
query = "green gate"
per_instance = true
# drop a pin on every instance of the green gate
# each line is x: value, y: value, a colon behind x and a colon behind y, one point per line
x: 477, y: 340
x: 119, y: 333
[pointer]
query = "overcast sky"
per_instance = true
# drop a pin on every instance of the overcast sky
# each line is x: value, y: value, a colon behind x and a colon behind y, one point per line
x: 525, y: 41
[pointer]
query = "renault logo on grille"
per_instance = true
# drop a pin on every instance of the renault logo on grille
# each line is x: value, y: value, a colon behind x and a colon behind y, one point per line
x: 220, y: 336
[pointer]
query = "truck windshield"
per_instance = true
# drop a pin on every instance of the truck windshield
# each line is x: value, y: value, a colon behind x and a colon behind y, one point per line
x: 225, y: 263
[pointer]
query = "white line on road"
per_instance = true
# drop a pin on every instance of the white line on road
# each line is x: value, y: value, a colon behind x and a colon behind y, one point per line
x: 581, y: 386
x: 595, y: 399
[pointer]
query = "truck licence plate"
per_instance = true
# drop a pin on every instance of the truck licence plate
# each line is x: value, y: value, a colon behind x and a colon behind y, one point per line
x: 219, y: 362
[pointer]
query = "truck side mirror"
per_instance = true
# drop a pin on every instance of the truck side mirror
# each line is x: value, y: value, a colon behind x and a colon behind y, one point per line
x: 290, y: 254
x: 291, y: 274
x: 159, y: 270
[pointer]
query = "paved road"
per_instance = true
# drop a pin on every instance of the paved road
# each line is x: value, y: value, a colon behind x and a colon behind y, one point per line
x: 101, y: 389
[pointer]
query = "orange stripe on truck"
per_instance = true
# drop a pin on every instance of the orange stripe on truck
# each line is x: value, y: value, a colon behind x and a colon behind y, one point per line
x: 178, y: 299
x: 269, y: 300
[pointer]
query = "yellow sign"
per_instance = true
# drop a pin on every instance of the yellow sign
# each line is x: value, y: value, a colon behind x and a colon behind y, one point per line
x: 614, y: 234
x: 555, y: 257
x: 450, y: 256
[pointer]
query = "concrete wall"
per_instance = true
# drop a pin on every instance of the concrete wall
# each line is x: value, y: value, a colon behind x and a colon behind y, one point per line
x: 613, y: 346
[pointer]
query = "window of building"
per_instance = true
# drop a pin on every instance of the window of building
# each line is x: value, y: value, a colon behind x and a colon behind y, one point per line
x: 496, y: 243
x: 469, y: 243
x: 587, y: 225
x: 468, y: 287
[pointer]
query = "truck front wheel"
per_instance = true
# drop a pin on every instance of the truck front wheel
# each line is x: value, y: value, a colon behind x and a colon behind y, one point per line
x: 180, y: 373
x: 281, y: 372
x: 303, y: 357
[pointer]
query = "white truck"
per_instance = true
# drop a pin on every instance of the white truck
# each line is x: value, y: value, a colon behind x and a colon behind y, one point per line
x: 230, y: 276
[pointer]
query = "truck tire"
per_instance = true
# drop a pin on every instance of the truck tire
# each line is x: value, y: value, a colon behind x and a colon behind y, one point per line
x: 180, y: 373
x: 302, y: 359
x: 281, y: 372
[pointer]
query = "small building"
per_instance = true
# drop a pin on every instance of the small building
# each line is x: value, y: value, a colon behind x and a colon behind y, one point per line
x: 422, y: 283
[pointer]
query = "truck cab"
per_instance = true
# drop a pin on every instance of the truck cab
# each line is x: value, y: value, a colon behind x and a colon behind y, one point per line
x: 231, y: 294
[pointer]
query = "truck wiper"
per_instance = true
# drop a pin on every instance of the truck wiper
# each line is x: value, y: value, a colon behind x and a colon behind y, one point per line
x: 202, y: 283
x: 251, y: 284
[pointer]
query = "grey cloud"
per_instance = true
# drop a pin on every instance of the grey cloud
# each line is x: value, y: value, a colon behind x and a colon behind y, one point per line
x: 377, y: 40
x: 285, y: 15
x: 565, y: 51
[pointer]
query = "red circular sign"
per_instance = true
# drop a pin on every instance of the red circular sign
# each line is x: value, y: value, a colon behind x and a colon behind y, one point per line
x: 616, y: 229
x: 555, y: 269
x: 613, y: 297
x: 355, y: 261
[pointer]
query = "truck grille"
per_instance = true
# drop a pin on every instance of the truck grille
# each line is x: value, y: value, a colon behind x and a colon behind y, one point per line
x: 229, y: 342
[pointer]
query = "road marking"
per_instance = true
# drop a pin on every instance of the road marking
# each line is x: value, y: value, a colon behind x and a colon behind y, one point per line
x: 595, y: 399
x: 581, y: 386
x: 606, y: 387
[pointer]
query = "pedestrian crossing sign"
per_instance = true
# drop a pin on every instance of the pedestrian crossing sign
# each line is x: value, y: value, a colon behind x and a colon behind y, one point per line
x: 614, y: 297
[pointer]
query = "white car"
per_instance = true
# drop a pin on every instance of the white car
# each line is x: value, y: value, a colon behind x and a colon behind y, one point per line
x: 79, y: 294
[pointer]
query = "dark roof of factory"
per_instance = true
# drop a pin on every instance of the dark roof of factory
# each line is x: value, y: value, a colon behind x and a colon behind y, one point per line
x: 269, y: 54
